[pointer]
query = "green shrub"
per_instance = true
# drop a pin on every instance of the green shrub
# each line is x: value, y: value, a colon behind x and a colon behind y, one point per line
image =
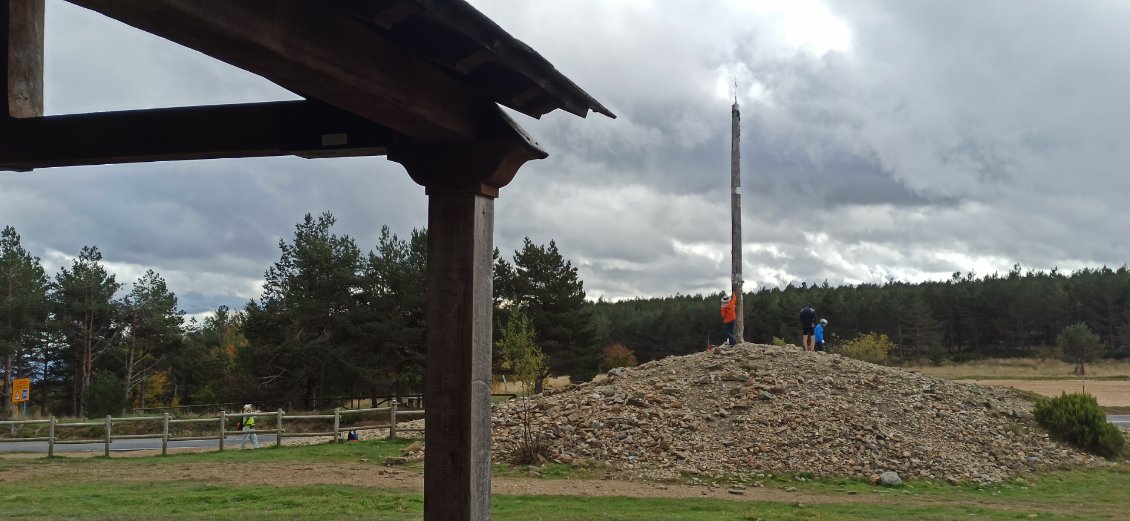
x: 779, y: 342
x: 1079, y: 344
x: 937, y: 355
x: 869, y: 347
x: 1078, y: 420
x: 106, y: 396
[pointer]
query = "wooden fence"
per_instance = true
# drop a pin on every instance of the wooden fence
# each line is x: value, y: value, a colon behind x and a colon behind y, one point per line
x: 408, y: 401
x: 221, y: 422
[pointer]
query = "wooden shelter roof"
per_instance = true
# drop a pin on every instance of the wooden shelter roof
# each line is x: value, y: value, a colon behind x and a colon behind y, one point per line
x: 456, y: 36
x: 375, y: 74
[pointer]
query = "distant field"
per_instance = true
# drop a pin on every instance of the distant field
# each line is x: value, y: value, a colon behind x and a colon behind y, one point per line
x: 1107, y: 381
x: 1109, y: 393
x: 1022, y: 368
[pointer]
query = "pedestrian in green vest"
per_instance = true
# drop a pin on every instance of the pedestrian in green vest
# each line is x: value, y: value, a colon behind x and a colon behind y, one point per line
x: 249, y: 428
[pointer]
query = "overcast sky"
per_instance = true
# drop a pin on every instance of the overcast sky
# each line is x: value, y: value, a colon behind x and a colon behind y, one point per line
x: 881, y: 140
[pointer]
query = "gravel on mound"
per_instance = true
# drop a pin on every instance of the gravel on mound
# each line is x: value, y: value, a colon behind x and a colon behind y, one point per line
x: 755, y: 409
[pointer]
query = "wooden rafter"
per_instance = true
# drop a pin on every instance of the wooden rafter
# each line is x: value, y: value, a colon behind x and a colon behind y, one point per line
x: 301, y: 128
x: 322, y: 53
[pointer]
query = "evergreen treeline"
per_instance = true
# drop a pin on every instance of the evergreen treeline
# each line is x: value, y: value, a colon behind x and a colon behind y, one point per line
x: 331, y: 322
x: 334, y: 321
x: 965, y: 317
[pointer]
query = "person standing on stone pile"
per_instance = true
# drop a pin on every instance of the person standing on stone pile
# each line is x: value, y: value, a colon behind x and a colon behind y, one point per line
x: 729, y: 315
x: 808, y: 326
x: 818, y: 334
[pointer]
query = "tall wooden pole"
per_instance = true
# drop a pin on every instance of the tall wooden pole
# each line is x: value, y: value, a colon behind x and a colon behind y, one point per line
x: 736, y: 219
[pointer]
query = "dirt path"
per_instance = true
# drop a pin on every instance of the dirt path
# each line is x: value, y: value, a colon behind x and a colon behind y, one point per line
x: 365, y: 474
x: 1109, y: 393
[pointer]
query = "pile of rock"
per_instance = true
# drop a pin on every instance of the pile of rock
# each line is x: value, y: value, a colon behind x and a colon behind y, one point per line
x: 753, y: 409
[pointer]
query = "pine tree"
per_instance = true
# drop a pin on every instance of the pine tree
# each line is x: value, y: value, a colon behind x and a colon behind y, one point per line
x: 23, y: 307
x: 203, y: 371
x: 391, y: 321
x: 548, y: 285
x: 300, y: 329
x: 1079, y: 344
x: 154, y: 331
x: 84, y: 312
x: 918, y: 329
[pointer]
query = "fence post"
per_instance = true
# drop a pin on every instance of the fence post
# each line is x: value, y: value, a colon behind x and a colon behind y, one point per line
x: 278, y: 429
x: 392, y: 418
x: 337, y: 425
x: 223, y: 427
x: 109, y: 423
x: 51, y: 438
x: 165, y: 436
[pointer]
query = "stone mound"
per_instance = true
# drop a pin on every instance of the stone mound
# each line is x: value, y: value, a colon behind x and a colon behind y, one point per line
x: 758, y: 409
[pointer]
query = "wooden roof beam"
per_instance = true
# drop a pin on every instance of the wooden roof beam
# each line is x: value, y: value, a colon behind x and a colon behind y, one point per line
x: 302, y: 128
x: 357, y: 69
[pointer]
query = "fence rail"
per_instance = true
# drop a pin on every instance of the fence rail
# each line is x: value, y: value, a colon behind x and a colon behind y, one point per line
x: 409, y: 401
x: 221, y: 421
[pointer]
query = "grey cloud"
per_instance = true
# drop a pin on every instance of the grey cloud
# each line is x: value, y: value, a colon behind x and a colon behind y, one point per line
x: 948, y: 136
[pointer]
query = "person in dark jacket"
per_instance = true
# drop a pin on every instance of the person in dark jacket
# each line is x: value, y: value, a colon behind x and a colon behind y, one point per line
x: 808, y: 325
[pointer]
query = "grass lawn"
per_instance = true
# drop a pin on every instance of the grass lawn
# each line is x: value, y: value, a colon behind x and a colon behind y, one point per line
x: 186, y: 486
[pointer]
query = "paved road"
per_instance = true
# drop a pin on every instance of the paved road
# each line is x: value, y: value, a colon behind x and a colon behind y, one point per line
x: 231, y: 442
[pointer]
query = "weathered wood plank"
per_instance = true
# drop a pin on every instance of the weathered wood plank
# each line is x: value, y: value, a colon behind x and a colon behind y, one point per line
x: 289, y: 43
x: 21, y: 34
x: 301, y: 128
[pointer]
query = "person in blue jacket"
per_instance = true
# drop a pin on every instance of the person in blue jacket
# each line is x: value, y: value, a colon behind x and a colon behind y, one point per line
x: 819, y: 334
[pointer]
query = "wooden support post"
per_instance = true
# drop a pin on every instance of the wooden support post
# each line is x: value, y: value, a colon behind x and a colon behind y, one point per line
x: 109, y: 437
x: 21, y: 60
x: 392, y: 419
x: 223, y: 427
x: 457, y: 382
x: 462, y: 182
x: 278, y: 429
x: 51, y: 438
x: 165, y: 435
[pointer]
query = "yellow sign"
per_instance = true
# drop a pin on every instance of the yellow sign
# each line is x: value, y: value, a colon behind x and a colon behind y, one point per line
x: 21, y: 388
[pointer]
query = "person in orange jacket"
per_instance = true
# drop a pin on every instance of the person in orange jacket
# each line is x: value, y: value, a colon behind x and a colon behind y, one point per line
x: 729, y: 315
